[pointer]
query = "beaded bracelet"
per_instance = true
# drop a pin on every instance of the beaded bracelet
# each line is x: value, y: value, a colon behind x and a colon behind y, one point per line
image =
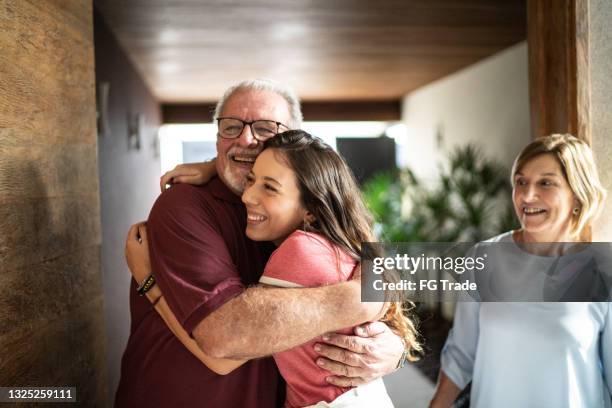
x: 146, y: 285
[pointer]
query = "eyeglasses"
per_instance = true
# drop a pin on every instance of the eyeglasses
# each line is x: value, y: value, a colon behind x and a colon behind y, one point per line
x: 262, y: 130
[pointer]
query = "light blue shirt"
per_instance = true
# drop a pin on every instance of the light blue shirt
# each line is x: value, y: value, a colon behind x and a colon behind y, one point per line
x: 532, y: 354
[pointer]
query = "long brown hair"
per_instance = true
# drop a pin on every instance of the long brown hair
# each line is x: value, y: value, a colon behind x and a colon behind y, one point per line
x: 328, y: 190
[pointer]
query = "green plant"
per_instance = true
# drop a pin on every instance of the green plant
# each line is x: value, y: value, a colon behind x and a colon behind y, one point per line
x: 469, y: 202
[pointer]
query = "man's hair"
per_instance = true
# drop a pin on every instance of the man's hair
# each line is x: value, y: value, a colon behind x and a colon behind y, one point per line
x: 263, y: 84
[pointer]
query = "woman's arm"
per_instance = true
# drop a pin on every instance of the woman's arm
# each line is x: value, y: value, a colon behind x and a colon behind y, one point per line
x: 606, y: 349
x: 446, y: 392
x: 191, y: 173
x: 458, y: 354
x: 138, y: 261
x: 220, y: 366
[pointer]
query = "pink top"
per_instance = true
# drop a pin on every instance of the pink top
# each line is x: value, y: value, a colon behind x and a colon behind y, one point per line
x: 307, y: 259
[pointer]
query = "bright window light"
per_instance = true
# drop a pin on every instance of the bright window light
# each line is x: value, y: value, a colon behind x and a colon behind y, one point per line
x: 173, y: 139
x: 196, y: 142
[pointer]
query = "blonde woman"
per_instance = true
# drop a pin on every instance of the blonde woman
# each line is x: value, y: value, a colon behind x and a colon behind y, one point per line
x: 537, y: 354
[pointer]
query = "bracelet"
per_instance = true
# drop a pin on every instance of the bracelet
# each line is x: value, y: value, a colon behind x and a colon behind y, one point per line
x: 146, y: 285
x: 404, y: 358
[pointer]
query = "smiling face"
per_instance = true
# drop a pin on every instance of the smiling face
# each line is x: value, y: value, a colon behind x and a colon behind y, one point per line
x: 235, y: 157
x: 272, y: 198
x: 543, y: 200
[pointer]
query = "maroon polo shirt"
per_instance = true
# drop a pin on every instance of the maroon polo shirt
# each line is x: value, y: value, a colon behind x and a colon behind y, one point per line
x: 201, y: 258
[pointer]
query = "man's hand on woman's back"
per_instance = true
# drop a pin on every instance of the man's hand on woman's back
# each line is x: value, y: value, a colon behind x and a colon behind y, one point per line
x: 371, y: 353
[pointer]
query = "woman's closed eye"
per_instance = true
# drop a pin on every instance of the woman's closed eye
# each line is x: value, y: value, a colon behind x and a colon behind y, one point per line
x: 270, y: 187
x: 250, y: 179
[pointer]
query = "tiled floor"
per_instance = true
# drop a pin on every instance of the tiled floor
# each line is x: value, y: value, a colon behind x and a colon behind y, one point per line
x: 413, y: 386
x: 409, y: 388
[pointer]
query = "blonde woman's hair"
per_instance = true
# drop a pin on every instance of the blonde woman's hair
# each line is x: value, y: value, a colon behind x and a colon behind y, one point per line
x: 578, y: 165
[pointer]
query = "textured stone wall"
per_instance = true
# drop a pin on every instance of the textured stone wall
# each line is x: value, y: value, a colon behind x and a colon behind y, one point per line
x: 51, y: 310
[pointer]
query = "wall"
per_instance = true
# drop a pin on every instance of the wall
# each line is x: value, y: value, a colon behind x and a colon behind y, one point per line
x: 128, y: 182
x: 486, y: 103
x: 600, y: 65
x: 51, y: 325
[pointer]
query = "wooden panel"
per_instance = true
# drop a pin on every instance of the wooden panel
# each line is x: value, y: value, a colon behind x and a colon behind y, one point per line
x: 66, y: 352
x: 583, y: 72
x: 51, y: 325
x: 348, y: 110
x: 63, y: 283
x: 313, y: 111
x: 328, y: 50
x: 552, y: 66
x: 41, y: 229
x: 188, y: 113
x: 47, y: 84
x: 39, y: 171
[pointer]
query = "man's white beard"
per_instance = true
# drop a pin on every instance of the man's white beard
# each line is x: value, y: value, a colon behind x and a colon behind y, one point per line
x: 237, y: 183
x: 232, y: 181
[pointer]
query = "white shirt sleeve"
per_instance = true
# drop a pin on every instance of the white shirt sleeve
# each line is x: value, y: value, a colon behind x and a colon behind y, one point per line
x: 606, y: 349
x: 459, y: 351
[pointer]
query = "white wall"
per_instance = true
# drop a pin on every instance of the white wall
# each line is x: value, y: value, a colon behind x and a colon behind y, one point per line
x: 486, y: 103
x: 128, y: 184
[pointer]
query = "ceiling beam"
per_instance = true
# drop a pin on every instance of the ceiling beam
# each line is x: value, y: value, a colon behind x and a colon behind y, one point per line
x: 384, y: 110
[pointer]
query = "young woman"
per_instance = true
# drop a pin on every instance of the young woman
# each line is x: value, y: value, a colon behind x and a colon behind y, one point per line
x: 301, y: 196
x: 537, y: 354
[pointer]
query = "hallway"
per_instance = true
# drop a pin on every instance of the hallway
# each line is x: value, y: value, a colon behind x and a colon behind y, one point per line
x: 86, y: 86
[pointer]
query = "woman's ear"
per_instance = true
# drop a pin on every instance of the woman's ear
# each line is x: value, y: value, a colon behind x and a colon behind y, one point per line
x: 309, y: 218
x: 576, y: 206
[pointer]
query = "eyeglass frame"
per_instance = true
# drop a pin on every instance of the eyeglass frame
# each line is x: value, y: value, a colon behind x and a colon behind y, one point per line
x: 250, y: 124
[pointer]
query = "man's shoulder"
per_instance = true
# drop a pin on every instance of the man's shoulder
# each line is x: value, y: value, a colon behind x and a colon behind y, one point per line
x: 214, y: 193
x: 184, y: 194
x: 182, y: 203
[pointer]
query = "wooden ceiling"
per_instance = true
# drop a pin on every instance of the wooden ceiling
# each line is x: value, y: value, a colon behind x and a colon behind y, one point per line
x: 192, y: 50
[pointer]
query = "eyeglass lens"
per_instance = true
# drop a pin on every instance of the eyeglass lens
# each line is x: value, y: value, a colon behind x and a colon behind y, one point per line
x: 262, y: 129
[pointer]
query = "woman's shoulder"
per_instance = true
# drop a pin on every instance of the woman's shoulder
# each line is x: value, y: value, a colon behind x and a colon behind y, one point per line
x: 309, y: 259
x: 504, y: 237
x: 306, y: 242
x: 311, y: 242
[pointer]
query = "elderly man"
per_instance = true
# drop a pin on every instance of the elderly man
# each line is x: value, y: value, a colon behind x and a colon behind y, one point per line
x: 205, y: 266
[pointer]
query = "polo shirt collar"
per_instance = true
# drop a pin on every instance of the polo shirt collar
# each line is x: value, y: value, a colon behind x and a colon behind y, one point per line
x: 222, y: 192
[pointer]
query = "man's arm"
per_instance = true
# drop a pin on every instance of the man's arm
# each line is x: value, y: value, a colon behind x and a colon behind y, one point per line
x: 137, y: 256
x: 263, y: 320
x: 373, y: 352
x: 221, y: 366
x: 203, y: 289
